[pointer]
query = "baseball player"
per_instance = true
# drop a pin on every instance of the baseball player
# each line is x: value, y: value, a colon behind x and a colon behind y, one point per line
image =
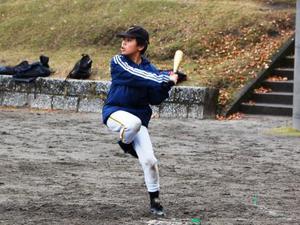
x: 136, y: 84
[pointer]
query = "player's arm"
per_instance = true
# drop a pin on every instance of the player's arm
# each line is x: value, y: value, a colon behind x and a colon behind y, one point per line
x: 158, y: 94
x: 124, y: 74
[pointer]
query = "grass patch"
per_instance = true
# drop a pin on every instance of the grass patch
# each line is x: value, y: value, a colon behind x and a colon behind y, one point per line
x: 226, y: 42
x: 285, y: 131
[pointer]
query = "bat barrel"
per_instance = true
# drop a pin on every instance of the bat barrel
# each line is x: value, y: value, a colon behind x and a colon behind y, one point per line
x: 177, y: 60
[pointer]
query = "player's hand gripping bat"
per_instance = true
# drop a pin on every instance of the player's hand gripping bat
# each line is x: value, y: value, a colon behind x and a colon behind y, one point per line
x: 177, y: 60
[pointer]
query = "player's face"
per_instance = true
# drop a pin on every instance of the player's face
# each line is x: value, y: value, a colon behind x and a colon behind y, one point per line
x: 129, y: 46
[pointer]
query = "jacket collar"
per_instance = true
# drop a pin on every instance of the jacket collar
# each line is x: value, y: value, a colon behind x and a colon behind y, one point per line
x: 145, y: 61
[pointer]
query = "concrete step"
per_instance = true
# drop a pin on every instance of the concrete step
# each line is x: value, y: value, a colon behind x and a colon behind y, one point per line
x: 284, y: 72
x: 267, y: 109
x: 279, y: 86
x: 273, y: 97
x: 289, y: 61
x: 292, y: 57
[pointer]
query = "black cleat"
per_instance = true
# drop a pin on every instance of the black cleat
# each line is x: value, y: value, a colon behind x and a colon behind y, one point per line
x: 128, y: 148
x: 156, y: 208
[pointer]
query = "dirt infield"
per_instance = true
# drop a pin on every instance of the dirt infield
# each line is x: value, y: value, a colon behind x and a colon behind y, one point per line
x: 65, y: 168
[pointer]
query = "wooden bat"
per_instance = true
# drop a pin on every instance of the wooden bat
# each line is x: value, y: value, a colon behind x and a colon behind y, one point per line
x: 177, y: 60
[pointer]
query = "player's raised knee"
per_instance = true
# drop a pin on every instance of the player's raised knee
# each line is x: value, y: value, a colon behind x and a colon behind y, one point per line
x: 135, y: 125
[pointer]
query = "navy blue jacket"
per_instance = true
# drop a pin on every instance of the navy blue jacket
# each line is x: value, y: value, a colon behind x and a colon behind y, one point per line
x: 134, y: 87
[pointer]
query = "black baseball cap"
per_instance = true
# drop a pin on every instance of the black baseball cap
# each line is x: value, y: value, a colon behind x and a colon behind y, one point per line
x: 135, y: 32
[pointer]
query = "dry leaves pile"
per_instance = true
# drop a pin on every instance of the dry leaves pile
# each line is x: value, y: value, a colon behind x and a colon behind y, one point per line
x: 251, y: 102
x: 262, y: 90
x: 242, y: 54
x: 235, y: 116
x: 277, y: 78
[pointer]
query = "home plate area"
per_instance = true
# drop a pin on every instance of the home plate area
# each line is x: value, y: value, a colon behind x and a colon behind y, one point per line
x: 174, y: 222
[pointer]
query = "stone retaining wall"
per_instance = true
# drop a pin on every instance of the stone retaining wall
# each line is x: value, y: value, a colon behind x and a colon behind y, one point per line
x: 89, y: 96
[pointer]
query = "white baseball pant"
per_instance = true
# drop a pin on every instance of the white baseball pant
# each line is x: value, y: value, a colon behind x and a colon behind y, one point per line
x: 131, y: 129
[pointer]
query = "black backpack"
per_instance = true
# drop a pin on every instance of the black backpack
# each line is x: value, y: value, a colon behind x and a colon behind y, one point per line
x: 82, y: 69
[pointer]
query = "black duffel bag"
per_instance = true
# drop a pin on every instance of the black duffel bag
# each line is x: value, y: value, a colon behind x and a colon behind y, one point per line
x: 26, y: 72
x: 34, y: 70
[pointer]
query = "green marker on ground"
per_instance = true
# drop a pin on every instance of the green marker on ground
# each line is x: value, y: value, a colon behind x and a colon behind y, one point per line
x: 196, y: 221
x: 254, y: 200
